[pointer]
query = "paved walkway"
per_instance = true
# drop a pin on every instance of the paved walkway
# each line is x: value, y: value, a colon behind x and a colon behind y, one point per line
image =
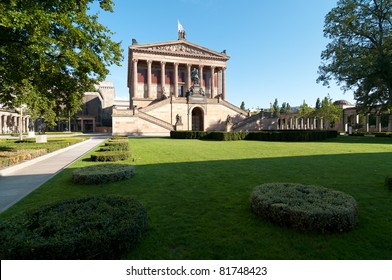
x: 18, y: 181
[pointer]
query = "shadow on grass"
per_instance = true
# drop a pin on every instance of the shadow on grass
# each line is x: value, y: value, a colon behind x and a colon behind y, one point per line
x: 201, y: 210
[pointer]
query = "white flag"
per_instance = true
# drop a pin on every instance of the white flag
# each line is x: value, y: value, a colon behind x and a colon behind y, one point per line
x: 180, y: 28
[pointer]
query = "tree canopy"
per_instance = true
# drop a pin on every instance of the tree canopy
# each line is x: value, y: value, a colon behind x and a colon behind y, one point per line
x: 51, y: 52
x: 359, y: 57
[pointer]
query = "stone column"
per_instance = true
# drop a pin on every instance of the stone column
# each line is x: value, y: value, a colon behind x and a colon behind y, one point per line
x: 201, y: 75
x: 175, y: 93
x: 219, y: 80
x: 224, y: 83
x: 379, y: 125
x: 367, y: 122
x: 1, y: 124
x: 149, y: 86
x: 163, y: 77
x: 134, y: 78
x: 188, y: 76
x: 212, y: 84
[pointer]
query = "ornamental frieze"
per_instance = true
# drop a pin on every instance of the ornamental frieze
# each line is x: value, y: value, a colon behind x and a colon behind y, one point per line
x: 179, y: 48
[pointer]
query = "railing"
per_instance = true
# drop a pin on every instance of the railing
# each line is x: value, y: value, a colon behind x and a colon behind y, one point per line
x: 155, y: 105
x: 155, y: 120
x: 233, y: 107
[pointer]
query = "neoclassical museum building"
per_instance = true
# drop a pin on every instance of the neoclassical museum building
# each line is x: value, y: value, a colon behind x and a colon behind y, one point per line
x: 175, y: 85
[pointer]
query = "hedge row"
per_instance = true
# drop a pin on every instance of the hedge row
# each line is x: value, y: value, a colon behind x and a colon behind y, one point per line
x: 102, y: 173
x: 97, y: 227
x: 292, y: 135
x: 306, y: 208
x: 265, y: 135
x: 8, y: 158
x: 110, y: 156
x: 115, y: 149
x: 376, y: 134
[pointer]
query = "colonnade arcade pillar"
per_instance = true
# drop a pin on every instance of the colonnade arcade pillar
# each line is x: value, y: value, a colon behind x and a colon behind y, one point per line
x: 214, y: 79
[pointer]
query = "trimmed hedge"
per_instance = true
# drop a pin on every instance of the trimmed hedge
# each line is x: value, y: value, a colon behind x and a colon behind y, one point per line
x: 265, y: 135
x: 102, y: 173
x: 306, y: 208
x: 96, y: 227
x: 110, y: 156
x: 187, y: 134
x: 292, y: 135
x: 8, y: 158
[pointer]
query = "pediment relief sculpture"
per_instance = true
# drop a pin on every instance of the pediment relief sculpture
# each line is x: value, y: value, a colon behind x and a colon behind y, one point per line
x: 181, y: 48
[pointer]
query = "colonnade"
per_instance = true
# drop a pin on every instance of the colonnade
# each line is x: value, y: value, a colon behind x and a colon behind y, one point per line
x: 295, y: 122
x: 213, y: 84
x: 11, y: 123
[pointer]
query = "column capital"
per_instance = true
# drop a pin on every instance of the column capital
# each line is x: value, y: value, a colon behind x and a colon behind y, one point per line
x: 176, y: 64
x: 135, y: 60
x: 163, y: 62
x: 149, y: 61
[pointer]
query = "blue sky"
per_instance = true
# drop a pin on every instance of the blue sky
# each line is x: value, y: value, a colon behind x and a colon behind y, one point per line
x: 275, y: 46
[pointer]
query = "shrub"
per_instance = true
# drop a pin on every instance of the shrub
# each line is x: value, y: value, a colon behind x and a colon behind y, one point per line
x: 306, y: 208
x: 187, y: 134
x: 96, y: 227
x: 226, y: 136
x: 265, y: 135
x: 291, y: 135
x: 110, y: 156
x: 8, y: 158
x: 102, y: 173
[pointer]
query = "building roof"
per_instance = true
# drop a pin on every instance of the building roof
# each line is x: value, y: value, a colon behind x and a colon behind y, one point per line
x: 179, y: 48
x: 343, y: 102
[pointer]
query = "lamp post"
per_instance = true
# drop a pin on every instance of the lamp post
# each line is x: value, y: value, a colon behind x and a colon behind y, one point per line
x: 21, y: 122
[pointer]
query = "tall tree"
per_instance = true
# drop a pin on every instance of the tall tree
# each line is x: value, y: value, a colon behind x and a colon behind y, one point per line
x: 274, y: 108
x: 51, y: 52
x: 328, y: 111
x: 305, y: 111
x: 359, y: 56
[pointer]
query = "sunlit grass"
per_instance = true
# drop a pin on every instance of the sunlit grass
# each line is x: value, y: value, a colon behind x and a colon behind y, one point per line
x: 197, y: 197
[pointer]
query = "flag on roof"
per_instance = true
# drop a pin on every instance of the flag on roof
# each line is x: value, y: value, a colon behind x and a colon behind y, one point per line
x: 180, y: 28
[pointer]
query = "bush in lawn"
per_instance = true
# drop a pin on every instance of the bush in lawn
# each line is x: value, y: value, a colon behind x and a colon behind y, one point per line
x: 116, y: 144
x: 97, y: 227
x: 110, y: 156
x: 102, y: 173
x: 306, y: 208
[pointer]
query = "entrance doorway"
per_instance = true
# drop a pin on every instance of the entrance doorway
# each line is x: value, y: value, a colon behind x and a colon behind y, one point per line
x: 197, y: 119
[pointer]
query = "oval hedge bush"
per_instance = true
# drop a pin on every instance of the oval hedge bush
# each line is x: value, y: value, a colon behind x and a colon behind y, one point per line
x: 110, y: 156
x: 102, y: 173
x: 97, y: 227
x: 306, y: 208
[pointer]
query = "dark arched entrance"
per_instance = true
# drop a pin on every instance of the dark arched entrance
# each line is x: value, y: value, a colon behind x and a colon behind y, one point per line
x: 197, y: 119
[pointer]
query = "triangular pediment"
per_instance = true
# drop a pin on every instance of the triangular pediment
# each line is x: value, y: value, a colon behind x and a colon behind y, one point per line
x: 180, y: 47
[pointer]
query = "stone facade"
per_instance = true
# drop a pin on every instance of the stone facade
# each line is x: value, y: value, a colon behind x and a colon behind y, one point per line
x: 12, y: 122
x: 175, y: 85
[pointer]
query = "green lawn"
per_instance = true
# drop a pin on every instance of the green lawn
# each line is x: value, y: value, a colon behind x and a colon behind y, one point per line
x: 197, y: 197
